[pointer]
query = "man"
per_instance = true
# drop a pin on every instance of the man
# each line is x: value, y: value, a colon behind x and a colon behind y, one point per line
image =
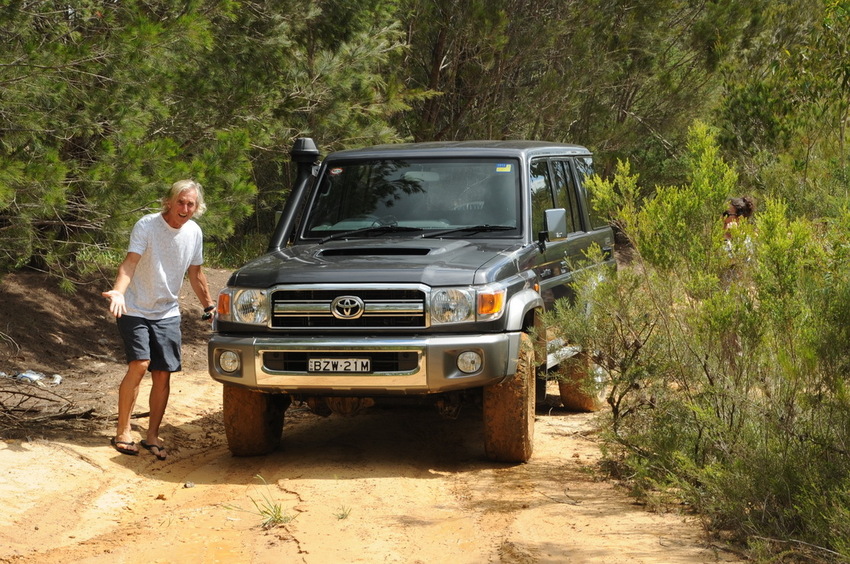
x: 163, y: 247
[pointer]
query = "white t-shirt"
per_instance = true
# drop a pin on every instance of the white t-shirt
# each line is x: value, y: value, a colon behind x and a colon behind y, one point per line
x: 166, y: 254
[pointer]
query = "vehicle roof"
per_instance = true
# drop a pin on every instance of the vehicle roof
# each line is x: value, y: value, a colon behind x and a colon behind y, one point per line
x: 482, y: 148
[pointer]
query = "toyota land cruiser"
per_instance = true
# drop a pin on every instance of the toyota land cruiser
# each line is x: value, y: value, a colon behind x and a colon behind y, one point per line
x: 407, y: 270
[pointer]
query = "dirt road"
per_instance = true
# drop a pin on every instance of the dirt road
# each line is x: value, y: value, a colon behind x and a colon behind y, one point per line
x: 400, y: 485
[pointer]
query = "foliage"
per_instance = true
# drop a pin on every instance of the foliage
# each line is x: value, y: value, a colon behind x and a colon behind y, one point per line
x: 623, y: 78
x: 725, y: 381
x: 725, y: 356
x: 661, y: 227
x: 342, y: 512
x: 271, y: 512
x: 105, y: 105
x: 786, y: 102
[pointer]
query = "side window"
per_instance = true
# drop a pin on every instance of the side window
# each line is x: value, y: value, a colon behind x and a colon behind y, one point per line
x: 565, y: 194
x: 585, y: 169
x: 541, y: 193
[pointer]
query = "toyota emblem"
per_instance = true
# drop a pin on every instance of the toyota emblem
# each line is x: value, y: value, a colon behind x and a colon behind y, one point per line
x: 347, y: 307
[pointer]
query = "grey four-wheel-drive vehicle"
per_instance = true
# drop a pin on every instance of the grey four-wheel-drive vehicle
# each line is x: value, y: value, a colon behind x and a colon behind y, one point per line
x: 407, y: 271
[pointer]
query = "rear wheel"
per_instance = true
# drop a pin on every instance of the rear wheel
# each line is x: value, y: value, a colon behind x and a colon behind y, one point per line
x: 509, y: 411
x: 578, y: 393
x: 253, y: 421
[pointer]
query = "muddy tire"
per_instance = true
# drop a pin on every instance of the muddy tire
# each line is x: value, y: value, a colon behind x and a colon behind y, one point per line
x: 575, y: 395
x: 253, y: 421
x: 509, y: 411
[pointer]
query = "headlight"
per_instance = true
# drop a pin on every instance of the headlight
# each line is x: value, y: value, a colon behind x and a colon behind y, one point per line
x: 251, y: 306
x: 453, y: 305
x: 459, y: 305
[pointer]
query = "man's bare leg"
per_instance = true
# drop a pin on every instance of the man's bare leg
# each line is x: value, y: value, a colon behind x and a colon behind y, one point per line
x: 128, y: 391
x: 160, y: 390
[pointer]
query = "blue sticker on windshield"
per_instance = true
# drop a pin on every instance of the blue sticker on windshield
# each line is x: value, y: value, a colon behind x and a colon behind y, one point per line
x: 503, y: 168
x: 335, y: 171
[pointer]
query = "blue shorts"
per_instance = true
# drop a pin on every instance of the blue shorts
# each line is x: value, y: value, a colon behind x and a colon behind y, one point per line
x: 158, y: 341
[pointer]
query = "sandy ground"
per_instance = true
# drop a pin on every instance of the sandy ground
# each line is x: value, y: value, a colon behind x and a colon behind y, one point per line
x: 391, y: 485
x: 388, y: 485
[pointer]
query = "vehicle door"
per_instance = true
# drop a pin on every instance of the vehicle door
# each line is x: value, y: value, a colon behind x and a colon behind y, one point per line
x: 556, y: 183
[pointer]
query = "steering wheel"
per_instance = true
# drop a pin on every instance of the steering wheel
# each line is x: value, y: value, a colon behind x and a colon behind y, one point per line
x: 378, y: 221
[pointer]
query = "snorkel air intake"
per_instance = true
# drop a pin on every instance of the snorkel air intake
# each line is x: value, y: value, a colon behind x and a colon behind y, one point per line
x: 304, y: 154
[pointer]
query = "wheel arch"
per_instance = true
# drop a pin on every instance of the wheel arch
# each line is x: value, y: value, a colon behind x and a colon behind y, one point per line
x: 525, y: 314
x: 522, y: 311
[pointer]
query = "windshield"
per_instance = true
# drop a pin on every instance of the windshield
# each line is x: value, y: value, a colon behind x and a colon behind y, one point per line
x: 417, y: 196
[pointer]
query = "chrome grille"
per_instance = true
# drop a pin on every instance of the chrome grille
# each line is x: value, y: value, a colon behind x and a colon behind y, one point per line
x: 344, y: 308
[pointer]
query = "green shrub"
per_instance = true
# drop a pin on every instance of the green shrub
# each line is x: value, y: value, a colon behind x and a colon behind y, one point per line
x: 726, y: 360
x: 233, y: 253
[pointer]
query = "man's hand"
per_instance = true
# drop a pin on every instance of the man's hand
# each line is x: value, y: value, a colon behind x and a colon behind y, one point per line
x: 209, y: 312
x: 117, y: 307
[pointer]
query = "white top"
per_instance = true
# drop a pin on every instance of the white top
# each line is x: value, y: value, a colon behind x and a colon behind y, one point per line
x: 166, y: 254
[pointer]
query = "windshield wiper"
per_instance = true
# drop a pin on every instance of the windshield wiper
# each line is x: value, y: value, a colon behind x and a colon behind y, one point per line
x: 377, y: 229
x: 470, y: 229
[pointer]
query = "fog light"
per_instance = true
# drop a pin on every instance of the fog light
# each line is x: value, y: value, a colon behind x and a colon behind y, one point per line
x: 229, y: 361
x: 469, y: 362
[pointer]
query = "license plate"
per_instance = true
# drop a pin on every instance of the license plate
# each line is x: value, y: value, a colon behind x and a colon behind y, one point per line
x: 339, y: 365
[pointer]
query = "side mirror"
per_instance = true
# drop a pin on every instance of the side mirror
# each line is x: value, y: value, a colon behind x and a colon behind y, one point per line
x: 556, y: 224
x: 555, y: 227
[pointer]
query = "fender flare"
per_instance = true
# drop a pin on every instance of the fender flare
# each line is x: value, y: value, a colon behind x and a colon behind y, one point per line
x: 518, y: 306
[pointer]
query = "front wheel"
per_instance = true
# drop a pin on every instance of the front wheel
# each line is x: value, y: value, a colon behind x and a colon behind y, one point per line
x: 253, y: 421
x: 509, y: 411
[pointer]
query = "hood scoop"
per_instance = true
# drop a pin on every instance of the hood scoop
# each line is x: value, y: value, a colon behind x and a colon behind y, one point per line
x: 375, y: 252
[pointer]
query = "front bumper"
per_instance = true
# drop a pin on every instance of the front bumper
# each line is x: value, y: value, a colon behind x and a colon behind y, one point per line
x: 275, y: 364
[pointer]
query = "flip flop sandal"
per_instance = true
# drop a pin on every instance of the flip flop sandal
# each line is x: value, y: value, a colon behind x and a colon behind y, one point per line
x: 159, y: 453
x: 123, y: 447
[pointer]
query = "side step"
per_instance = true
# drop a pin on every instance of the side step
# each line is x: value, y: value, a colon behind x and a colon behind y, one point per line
x: 562, y: 351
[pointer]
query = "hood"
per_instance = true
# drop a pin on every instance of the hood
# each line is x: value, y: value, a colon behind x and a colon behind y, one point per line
x: 435, y: 262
